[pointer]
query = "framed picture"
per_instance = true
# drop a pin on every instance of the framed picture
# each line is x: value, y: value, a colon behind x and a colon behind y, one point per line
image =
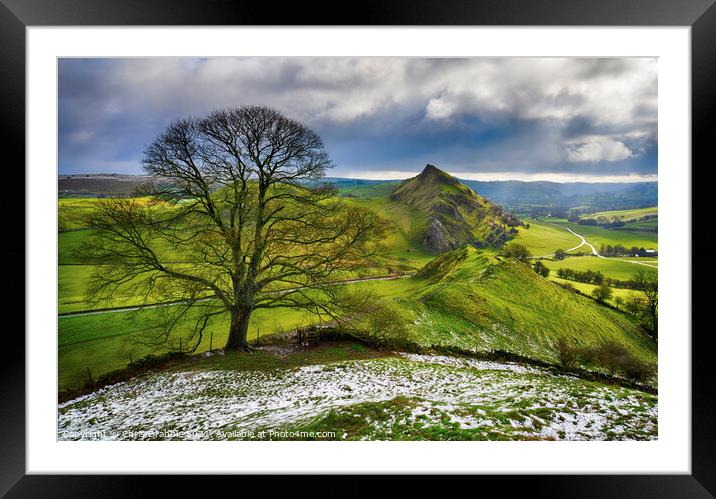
x: 427, y: 242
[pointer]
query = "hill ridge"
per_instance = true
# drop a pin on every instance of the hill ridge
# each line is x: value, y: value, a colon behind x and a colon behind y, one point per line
x: 455, y: 214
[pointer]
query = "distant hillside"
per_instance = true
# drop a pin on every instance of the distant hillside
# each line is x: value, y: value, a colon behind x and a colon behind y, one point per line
x: 534, y: 198
x: 342, y: 183
x: 99, y: 184
x: 455, y: 215
x: 524, y: 197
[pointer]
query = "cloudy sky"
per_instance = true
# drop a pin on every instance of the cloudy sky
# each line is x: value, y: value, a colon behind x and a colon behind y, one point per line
x: 487, y: 119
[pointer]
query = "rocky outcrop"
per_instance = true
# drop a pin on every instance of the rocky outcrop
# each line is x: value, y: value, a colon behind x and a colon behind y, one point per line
x: 455, y: 215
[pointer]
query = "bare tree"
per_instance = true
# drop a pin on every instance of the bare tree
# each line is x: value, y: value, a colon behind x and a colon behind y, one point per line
x: 241, y: 222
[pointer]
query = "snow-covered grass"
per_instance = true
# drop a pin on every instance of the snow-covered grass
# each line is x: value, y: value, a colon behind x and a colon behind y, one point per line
x: 403, y: 397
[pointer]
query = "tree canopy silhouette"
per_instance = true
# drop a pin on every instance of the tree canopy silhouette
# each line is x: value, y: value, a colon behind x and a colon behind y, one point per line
x: 238, y: 220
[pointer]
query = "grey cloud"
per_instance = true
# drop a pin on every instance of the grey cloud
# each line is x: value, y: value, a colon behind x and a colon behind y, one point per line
x: 488, y: 113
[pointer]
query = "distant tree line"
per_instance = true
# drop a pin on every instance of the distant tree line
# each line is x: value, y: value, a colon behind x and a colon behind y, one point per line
x: 597, y: 278
x: 585, y: 276
x: 605, y: 222
x: 549, y: 211
x: 619, y: 250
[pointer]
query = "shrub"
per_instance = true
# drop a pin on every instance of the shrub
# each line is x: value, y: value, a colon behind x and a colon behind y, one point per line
x: 617, y: 358
x: 602, y: 293
x: 541, y: 268
x: 373, y: 320
x: 516, y: 251
x: 567, y: 354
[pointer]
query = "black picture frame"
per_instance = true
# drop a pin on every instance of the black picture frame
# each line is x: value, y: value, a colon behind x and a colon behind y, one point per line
x: 16, y: 15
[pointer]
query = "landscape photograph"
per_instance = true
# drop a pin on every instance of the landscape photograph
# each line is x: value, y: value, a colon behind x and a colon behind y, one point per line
x: 357, y: 248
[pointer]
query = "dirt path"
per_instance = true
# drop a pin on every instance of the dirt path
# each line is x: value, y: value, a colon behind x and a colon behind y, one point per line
x: 582, y: 243
x: 596, y: 253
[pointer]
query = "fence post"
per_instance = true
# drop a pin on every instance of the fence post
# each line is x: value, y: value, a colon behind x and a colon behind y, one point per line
x: 89, y: 374
x: 180, y: 347
x: 130, y: 359
x: 211, y: 340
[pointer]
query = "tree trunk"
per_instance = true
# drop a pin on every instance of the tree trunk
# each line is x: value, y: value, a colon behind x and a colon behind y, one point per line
x: 238, y: 330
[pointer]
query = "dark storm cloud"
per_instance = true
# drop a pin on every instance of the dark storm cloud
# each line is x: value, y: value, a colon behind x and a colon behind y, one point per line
x: 381, y: 116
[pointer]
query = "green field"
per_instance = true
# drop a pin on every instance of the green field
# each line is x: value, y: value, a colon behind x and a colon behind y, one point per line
x: 610, y: 267
x: 104, y: 341
x: 601, y: 235
x: 623, y: 215
x: 543, y: 239
x: 71, y: 211
x: 588, y: 288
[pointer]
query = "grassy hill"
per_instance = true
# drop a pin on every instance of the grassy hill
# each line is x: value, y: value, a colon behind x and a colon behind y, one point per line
x: 454, y: 214
x: 473, y: 300
x: 93, y: 184
x: 467, y: 300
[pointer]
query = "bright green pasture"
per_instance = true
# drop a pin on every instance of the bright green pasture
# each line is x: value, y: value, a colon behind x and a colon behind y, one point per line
x: 72, y: 290
x: 544, y: 239
x: 624, y: 215
x: 103, y: 341
x: 651, y: 225
x: 599, y: 235
x: 610, y: 267
x: 72, y: 211
x: 588, y: 288
x: 72, y: 283
x: 68, y: 245
x: 381, y: 190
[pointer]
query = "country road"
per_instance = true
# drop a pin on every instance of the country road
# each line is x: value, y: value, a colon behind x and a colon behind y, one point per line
x: 596, y: 253
x: 584, y: 241
x: 170, y: 303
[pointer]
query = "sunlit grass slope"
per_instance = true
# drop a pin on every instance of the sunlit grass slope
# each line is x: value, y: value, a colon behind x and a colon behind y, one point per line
x: 476, y: 301
x: 543, y: 239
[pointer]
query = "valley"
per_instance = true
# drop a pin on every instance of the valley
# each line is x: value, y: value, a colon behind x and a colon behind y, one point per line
x: 460, y: 340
